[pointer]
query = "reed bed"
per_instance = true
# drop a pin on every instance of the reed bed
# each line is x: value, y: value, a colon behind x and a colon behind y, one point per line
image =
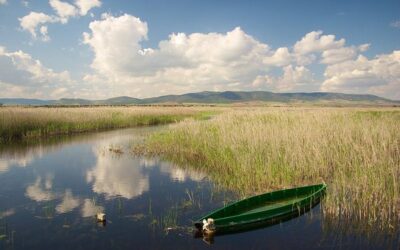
x: 27, y: 122
x: 356, y: 152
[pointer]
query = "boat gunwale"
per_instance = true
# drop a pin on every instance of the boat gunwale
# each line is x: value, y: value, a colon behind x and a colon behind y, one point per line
x: 313, y: 194
x: 264, y: 218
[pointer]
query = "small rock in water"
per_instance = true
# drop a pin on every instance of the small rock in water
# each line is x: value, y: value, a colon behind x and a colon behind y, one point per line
x: 101, y: 217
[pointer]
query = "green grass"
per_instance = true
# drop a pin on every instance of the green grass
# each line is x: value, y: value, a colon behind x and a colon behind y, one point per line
x: 19, y: 123
x: 355, y: 151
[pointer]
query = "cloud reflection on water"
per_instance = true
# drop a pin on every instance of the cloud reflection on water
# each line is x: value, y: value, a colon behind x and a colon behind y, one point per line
x: 106, y: 173
x: 68, y: 203
x: 40, y: 191
x: 90, y: 209
x: 7, y: 162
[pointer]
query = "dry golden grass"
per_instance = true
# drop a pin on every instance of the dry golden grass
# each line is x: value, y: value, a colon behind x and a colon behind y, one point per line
x: 355, y: 151
x: 23, y: 122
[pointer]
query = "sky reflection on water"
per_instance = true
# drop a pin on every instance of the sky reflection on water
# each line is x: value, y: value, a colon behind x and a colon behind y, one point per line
x: 51, y: 189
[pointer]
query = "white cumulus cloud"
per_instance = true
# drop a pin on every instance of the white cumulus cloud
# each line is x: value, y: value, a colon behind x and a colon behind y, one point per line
x: 22, y: 75
x: 34, y: 21
x: 294, y: 78
x: 189, y: 62
x: 280, y: 57
x: 316, y: 42
x: 380, y: 75
x: 209, y: 61
x: 86, y: 5
x: 63, y: 9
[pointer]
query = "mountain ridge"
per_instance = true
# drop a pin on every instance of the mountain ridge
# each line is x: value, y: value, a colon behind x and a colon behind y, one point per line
x: 210, y: 97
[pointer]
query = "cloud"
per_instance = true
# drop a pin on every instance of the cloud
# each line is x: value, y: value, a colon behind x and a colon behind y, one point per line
x: 86, y: 5
x: 3, y: 2
x: 380, y: 75
x: 35, y: 21
x: 183, y: 62
x: 314, y: 42
x: 294, y: 78
x: 188, y: 62
x: 20, y: 75
x: 211, y: 61
x: 125, y: 32
x: 64, y: 10
x: 332, y: 56
x: 395, y: 24
x: 280, y: 57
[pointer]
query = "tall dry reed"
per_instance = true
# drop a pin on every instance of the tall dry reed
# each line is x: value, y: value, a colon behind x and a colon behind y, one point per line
x: 356, y: 152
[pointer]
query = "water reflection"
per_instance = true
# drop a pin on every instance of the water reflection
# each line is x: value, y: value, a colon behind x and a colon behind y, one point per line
x: 181, y: 175
x: 6, y: 162
x: 22, y: 154
x: 109, y: 175
x: 68, y: 203
x: 41, y: 191
x: 7, y: 213
x: 123, y: 177
x: 52, y: 188
x: 89, y: 208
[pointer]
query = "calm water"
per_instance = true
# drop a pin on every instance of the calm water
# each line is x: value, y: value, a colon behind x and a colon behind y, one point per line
x: 51, y: 190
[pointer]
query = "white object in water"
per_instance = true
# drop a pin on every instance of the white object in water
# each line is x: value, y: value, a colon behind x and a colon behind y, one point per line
x: 101, y: 217
x: 208, y: 225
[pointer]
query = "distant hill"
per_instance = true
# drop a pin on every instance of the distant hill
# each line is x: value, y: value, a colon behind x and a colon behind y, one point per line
x: 242, y: 96
x: 209, y: 97
x: 122, y: 100
x: 22, y: 101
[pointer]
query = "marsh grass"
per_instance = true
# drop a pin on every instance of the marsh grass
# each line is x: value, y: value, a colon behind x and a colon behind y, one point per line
x: 356, y: 152
x: 24, y: 122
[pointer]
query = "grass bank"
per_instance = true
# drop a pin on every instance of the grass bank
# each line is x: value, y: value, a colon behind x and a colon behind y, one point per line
x: 356, y: 152
x: 27, y: 122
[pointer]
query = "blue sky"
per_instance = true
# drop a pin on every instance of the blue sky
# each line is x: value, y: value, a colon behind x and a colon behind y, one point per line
x: 348, y: 46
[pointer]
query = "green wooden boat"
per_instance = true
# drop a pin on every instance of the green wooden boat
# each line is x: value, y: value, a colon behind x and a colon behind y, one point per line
x: 268, y: 208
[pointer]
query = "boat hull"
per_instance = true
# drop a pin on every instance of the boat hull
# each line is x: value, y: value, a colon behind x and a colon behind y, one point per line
x: 265, y: 209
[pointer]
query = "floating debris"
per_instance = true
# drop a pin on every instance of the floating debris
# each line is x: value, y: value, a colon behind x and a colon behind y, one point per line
x: 101, y: 217
x: 208, y: 225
